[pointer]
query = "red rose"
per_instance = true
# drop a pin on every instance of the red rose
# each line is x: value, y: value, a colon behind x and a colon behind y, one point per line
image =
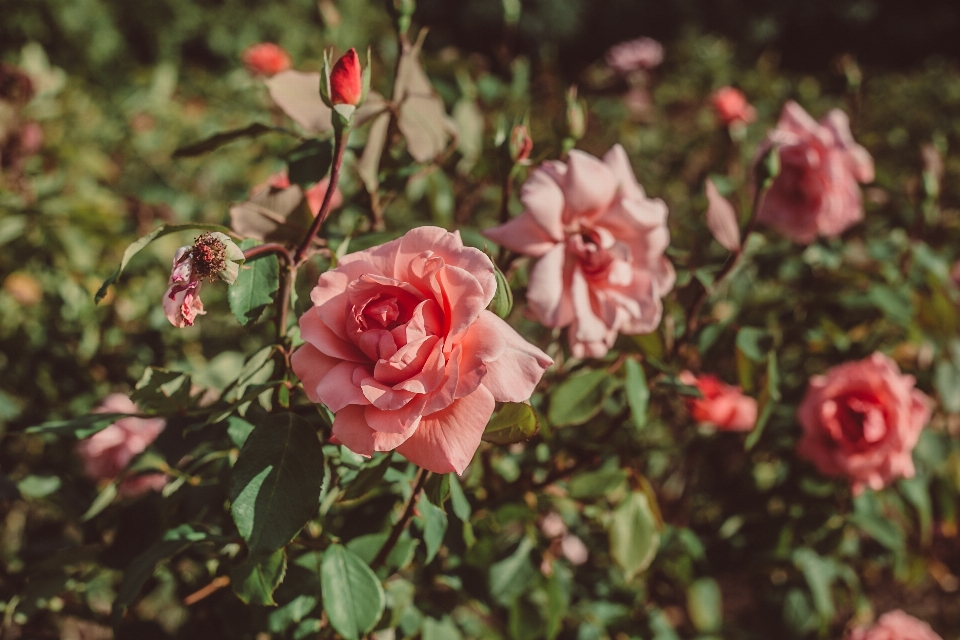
x: 732, y: 106
x: 266, y: 59
x: 346, y: 83
x: 722, y: 404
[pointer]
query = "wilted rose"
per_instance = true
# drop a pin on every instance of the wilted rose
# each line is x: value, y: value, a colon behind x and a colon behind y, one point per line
x: 861, y: 420
x: 600, y: 243
x: 266, y: 59
x: 642, y: 53
x: 107, y: 453
x: 896, y: 625
x: 722, y: 405
x: 400, y: 346
x: 346, y: 81
x: 816, y: 191
x: 212, y: 255
x: 732, y: 106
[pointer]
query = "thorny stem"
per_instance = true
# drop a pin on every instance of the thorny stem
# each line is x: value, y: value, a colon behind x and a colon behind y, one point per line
x: 339, y: 147
x: 401, y: 525
x: 693, y: 318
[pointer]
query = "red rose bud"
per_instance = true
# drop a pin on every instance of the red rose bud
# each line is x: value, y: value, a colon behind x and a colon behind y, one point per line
x: 732, y: 107
x: 266, y: 59
x: 521, y: 144
x: 346, y: 83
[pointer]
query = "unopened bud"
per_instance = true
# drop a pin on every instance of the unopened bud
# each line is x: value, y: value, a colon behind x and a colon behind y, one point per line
x: 521, y: 144
x: 346, y: 81
x: 576, y: 118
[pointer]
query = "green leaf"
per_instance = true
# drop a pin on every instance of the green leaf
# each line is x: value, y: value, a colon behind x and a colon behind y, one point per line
x: 255, y: 288
x: 103, y: 500
x: 753, y: 342
x: 163, y: 391
x: 437, y: 489
x: 434, y: 526
x: 509, y: 577
x: 275, y: 484
x: 819, y: 573
x: 255, y: 579
x: 592, y: 484
x: 634, y: 534
x: 352, y: 594
x: 220, y: 139
x: 239, y: 430
x: 38, y: 486
x: 502, y: 302
x: 143, y: 566
x: 80, y: 427
x: 704, y: 604
x: 637, y: 392
x: 578, y: 398
x: 137, y: 245
x: 444, y: 629
x: 368, y: 478
x: 459, y: 502
x: 309, y: 162
x: 515, y: 422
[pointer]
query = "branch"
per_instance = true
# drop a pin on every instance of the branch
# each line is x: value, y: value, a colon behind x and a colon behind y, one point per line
x: 401, y: 525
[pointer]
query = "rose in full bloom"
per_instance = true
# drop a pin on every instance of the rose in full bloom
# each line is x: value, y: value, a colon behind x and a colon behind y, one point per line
x: 346, y: 81
x: 732, y: 106
x: 816, y: 191
x: 896, y: 625
x: 722, y: 404
x: 600, y: 243
x: 107, y: 453
x: 314, y: 194
x: 266, y: 59
x: 212, y: 255
x: 400, y: 346
x: 634, y: 55
x: 861, y: 421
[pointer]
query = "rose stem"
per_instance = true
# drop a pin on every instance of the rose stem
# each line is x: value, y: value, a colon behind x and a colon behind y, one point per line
x: 338, y: 149
x: 398, y: 528
x: 693, y: 318
x: 287, y: 275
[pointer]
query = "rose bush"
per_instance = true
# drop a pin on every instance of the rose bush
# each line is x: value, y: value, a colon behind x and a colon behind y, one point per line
x: 861, y: 420
x: 600, y: 243
x: 400, y: 346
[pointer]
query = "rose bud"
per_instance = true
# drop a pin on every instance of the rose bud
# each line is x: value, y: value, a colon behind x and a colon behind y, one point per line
x: 732, y: 107
x: 266, y: 59
x: 521, y: 144
x: 722, y: 404
x: 346, y: 81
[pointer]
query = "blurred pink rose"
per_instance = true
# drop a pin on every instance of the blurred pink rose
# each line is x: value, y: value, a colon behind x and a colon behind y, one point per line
x: 400, y: 346
x: 896, y: 625
x: 722, y: 404
x: 862, y: 420
x: 732, y: 106
x: 266, y: 59
x: 816, y: 191
x: 107, y: 453
x: 573, y: 549
x: 600, y: 241
x: 314, y: 194
x: 642, y: 53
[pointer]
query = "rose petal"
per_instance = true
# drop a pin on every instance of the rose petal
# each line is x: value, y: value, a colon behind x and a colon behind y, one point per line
x: 311, y: 365
x: 350, y: 428
x: 513, y: 365
x: 547, y: 293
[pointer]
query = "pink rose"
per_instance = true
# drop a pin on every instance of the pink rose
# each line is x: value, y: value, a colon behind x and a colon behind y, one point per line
x: 732, y: 106
x: 108, y: 452
x: 816, y: 191
x: 266, y: 59
x: 600, y: 241
x: 400, y: 346
x: 633, y: 55
x: 861, y: 420
x: 314, y: 194
x: 722, y: 404
x: 896, y: 625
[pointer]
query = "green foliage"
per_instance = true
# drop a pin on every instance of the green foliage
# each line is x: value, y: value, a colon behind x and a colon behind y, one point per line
x: 352, y: 596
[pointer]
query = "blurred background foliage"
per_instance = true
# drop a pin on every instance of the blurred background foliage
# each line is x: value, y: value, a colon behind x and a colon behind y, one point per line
x: 752, y: 542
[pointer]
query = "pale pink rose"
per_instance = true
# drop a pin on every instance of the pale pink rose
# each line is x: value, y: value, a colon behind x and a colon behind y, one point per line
x: 314, y: 194
x: 896, y: 625
x: 732, y: 106
x: 816, y: 191
x: 573, y: 549
x: 552, y: 525
x: 722, y: 404
x: 400, y: 346
x: 601, y: 244
x: 633, y: 55
x: 861, y: 421
x: 108, y: 452
x: 266, y: 59
x: 181, y: 302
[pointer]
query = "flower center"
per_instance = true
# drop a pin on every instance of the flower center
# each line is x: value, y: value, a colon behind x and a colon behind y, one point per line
x: 209, y: 257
